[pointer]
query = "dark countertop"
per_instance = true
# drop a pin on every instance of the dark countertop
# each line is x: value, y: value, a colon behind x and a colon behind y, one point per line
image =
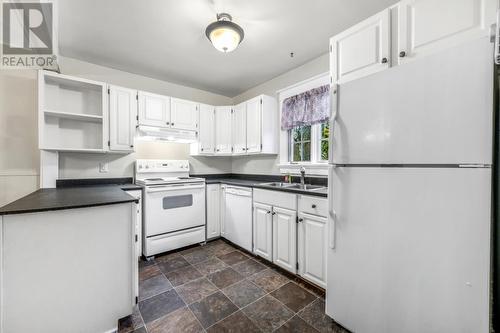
x: 258, y: 184
x: 69, y: 198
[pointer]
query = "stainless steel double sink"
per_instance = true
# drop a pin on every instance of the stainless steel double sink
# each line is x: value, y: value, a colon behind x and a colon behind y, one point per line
x: 300, y: 187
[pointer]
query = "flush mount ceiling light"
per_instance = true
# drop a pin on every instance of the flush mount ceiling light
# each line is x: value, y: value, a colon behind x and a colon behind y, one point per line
x: 224, y: 34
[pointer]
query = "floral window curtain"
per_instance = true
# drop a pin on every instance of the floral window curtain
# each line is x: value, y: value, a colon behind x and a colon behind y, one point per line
x: 308, y: 108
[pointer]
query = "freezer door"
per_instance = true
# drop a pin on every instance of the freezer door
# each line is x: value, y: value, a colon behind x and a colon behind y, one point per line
x: 411, y: 251
x: 437, y: 110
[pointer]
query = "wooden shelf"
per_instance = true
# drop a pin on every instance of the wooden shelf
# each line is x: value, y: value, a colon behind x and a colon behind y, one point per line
x: 74, y: 116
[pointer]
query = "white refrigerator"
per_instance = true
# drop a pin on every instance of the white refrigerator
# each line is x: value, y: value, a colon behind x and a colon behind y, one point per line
x: 410, y: 184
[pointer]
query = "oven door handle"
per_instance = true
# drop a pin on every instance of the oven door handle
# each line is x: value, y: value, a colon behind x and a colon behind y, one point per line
x: 173, y: 188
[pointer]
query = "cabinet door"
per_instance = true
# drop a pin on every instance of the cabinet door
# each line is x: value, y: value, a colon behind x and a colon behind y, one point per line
x: 312, y: 248
x: 223, y: 125
x: 122, y: 118
x: 254, y: 125
x: 240, y: 129
x: 427, y: 26
x: 222, y: 210
x: 263, y: 231
x: 213, y: 210
x: 206, y: 132
x: 285, y: 238
x: 154, y: 110
x: 361, y: 50
x: 184, y: 114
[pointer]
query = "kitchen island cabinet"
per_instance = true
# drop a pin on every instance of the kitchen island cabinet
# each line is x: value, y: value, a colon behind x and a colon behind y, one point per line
x: 67, y: 265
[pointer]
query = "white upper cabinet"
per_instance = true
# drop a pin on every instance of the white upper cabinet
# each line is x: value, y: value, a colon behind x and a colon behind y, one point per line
x: 184, y: 114
x: 223, y: 133
x: 240, y: 129
x: 154, y: 110
x: 406, y: 31
x: 122, y: 118
x: 254, y: 125
x: 361, y: 50
x: 427, y: 26
x: 206, y: 132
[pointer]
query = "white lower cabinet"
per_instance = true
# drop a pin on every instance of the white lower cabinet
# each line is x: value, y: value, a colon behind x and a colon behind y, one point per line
x: 312, y: 235
x: 285, y: 238
x: 213, y: 211
x: 263, y: 231
x: 222, y: 210
x: 138, y: 221
x: 312, y: 239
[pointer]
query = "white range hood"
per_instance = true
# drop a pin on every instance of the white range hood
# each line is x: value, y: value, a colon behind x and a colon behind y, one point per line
x: 151, y: 133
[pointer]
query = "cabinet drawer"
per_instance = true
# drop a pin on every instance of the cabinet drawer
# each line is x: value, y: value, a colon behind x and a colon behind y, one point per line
x: 275, y: 198
x: 313, y: 205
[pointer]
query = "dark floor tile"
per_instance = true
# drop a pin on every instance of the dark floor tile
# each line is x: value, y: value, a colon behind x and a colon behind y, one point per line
x: 213, y: 308
x: 235, y: 323
x: 140, y: 330
x: 195, y: 290
x: 225, y: 277
x: 249, y: 267
x: 179, y: 321
x: 167, y: 256
x: 268, y: 313
x: 160, y: 305
x: 268, y: 280
x: 148, y: 272
x: 221, y: 249
x: 243, y: 293
x: 183, y: 275
x: 318, y: 291
x: 130, y: 323
x: 314, y: 314
x: 198, y: 256
x: 293, y: 296
x: 210, y: 266
x: 145, y: 263
x: 233, y: 258
x: 190, y: 249
x: 296, y: 325
x: 172, y: 264
x: 153, y: 286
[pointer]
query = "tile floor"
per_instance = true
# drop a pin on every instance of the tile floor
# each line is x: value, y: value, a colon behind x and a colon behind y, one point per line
x: 219, y: 288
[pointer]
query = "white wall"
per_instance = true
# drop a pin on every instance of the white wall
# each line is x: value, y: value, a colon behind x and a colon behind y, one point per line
x: 19, y: 158
x: 269, y: 164
x: 74, y: 165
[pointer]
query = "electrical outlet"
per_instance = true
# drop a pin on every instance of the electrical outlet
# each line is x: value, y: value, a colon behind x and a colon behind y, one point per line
x: 103, y: 167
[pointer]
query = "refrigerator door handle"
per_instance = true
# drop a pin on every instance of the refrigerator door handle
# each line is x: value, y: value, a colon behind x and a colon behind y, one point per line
x: 335, y: 107
x: 331, y: 230
x: 331, y: 211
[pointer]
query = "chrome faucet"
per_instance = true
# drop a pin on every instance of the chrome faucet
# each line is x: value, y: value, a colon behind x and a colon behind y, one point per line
x: 302, y: 177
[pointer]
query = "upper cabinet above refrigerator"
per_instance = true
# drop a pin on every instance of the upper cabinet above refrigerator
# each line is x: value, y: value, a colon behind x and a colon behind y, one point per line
x: 408, y: 30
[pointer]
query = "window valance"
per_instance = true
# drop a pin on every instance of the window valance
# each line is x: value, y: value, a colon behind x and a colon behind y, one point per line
x: 308, y: 108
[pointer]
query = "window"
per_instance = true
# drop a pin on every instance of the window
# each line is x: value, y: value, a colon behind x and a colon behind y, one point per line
x: 304, y: 136
x: 309, y: 143
x: 301, y: 143
x: 323, y: 141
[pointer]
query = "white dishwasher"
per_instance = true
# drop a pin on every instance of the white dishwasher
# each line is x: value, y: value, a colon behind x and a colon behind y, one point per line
x: 238, y: 216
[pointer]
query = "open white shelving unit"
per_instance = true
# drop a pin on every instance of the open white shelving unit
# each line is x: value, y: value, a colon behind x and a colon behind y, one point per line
x: 73, y: 113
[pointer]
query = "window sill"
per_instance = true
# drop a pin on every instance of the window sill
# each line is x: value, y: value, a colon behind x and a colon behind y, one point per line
x: 312, y: 169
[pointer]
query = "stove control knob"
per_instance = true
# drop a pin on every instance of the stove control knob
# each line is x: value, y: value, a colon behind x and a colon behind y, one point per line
x: 147, y: 166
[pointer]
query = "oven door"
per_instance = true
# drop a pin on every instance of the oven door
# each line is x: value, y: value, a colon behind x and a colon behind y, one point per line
x: 174, y: 207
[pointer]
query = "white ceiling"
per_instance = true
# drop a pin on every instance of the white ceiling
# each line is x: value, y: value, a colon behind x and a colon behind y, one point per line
x: 165, y: 39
